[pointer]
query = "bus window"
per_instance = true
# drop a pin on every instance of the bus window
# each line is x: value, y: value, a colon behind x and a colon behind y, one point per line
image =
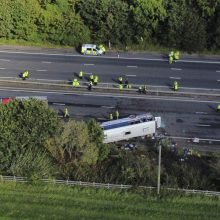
x: 127, y: 133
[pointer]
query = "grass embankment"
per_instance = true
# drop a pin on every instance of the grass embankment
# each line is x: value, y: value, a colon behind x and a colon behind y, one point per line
x: 25, y: 201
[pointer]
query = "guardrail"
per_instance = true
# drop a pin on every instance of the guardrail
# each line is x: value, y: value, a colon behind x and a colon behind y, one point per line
x: 105, y: 185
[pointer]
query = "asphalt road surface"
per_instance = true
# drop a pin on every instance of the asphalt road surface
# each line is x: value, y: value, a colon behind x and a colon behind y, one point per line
x: 181, y: 118
x: 156, y: 71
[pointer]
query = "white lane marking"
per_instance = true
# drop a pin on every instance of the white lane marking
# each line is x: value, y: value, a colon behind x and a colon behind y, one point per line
x: 41, y: 70
x: 107, y: 106
x: 132, y: 66
x: 4, y: 60
x: 217, y: 71
x: 57, y: 80
x: 176, y: 69
x: 55, y: 103
x: 1, y: 68
x: 172, y: 77
x: 88, y: 73
x: 107, y: 57
x: 202, y: 113
x: 218, y: 80
x: 188, y: 138
x: 8, y: 77
x: 130, y: 75
x: 203, y: 125
x: 46, y: 62
x: 89, y: 64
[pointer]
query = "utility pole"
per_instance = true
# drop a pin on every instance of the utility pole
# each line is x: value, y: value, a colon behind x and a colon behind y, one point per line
x: 159, y: 164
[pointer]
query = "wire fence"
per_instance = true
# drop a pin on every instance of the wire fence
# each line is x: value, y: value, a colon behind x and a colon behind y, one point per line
x: 106, y: 185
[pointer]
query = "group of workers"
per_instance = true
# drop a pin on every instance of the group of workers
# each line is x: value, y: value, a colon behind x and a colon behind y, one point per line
x: 93, y: 80
x: 122, y: 85
x: 174, y: 56
x: 111, y: 117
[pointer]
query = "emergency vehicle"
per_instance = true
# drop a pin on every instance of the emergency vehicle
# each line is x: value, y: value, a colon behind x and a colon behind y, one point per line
x: 92, y: 49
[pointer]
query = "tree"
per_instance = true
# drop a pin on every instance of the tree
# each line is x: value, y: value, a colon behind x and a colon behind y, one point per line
x: 96, y: 136
x: 24, y: 125
x: 107, y: 19
x: 146, y: 16
x: 72, y: 148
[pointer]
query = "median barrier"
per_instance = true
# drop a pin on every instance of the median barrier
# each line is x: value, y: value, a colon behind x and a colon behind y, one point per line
x: 105, y: 88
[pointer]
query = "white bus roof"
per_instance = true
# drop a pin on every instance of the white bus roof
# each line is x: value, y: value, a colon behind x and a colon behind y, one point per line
x: 124, y: 121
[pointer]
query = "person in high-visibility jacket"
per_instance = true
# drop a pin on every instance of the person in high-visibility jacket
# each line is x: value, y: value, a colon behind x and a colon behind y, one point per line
x: 110, y: 116
x: 102, y: 48
x: 120, y: 86
x: 120, y: 80
x: 66, y: 113
x: 218, y: 108
x: 81, y: 73
x: 117, y: 114
x: 175, y: 86
x: 25, y: 75
x: 75, y: 83
x: 177, y: 55
x: 170, y: 59
x: 91, y: 78
x: 96, y: 79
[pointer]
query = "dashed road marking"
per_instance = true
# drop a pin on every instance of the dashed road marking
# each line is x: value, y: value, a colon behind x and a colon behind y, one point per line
x: 202, y: 113
x: 41, y: 70
x: 8, y: 77
x: 46, y: 62
x: 55, y: 103
x: 107, y: 106
x: 132, y: 66
x: 89, y: 64
x: 88, y: 73
x: 176, y: 69
x: 217, y: 71
x: 203, y: 125
x: 172, y: 77
x: 218, y: 80
x: 130, y: 75
x: 1, y: 68
x: 4, y: 60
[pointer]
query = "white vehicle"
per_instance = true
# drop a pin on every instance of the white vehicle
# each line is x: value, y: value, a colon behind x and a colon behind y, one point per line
x: 92, y: 49
x: 130, y: 127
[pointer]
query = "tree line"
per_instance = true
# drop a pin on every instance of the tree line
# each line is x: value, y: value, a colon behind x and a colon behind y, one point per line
x: 36, y: 143
x: 189, y: 25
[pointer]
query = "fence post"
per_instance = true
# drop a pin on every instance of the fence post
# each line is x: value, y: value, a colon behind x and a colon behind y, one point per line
x: 14, y: 177
x: 108, y: 185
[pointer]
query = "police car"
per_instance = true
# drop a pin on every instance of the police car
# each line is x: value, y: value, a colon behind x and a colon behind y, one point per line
x: 92, y: 49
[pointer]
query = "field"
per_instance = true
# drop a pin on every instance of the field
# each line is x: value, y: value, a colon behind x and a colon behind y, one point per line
x: 26, y: 201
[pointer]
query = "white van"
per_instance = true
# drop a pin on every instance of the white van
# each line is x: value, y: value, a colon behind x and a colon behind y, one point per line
x: 91, y: 49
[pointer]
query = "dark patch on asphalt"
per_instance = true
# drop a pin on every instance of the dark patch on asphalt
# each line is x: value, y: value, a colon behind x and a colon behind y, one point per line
x: 179, y: 120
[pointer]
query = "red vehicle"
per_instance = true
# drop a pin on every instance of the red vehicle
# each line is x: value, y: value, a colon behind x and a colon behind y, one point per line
x: 7, y: 100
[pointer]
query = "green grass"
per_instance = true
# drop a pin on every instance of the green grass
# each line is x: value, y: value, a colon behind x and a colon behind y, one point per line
x: 25, y: 201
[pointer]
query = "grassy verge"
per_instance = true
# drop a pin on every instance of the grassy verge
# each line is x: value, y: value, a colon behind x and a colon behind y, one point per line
x: 30, y: 44
x: 131, y: 48
x: 22, y: 201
